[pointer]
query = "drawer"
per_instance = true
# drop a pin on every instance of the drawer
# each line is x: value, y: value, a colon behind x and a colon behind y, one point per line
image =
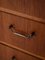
x: 7, y: 53
x: 32, y: 33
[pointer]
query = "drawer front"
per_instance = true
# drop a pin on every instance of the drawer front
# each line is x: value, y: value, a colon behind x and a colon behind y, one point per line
x: 37, y: 42
x: 35, y: 31
x: 19, y: 26
x: 7, y: 53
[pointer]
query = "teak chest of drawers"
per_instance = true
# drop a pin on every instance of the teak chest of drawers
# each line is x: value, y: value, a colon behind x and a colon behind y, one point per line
x: 22, y: 37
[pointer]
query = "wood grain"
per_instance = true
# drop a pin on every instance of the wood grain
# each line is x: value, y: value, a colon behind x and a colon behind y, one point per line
x: 37, y: 43
x: 30, y: 15
x: 1, y: 27
x: 33, y: 18
x: 20, y: 25
x: 24, y: 26
x: 22, y: 50
x: 30, y: 7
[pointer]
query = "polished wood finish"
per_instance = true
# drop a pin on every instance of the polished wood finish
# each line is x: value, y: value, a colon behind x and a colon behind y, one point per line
x: 1, y: 27
x: 7, y: 53
x: 26, y: 16
x: 22, y: 50
x: 24, y: 26
x: 37, y: 43
x: 33, y: 18
x: 20, y: 25
x: 31, y: 7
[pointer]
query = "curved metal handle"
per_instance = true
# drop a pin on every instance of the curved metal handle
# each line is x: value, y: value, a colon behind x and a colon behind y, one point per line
x: 13, y: 58
x: 21, y: 35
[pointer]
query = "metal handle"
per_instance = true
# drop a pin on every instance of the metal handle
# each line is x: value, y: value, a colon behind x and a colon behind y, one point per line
x: 13, y: 58
x: 21, y: 35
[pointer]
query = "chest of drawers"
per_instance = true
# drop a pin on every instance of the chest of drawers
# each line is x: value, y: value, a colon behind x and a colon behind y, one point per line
x: 22, y: 36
